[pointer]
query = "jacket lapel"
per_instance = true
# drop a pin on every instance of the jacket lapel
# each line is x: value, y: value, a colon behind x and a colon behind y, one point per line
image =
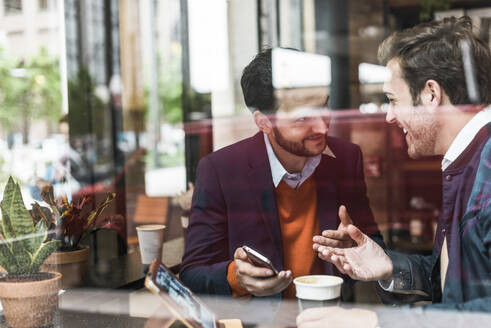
x: 262, y: 188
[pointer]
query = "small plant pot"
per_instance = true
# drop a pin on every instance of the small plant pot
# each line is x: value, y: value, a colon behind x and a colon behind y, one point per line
x: 72, y: 266
x: 30, y: 301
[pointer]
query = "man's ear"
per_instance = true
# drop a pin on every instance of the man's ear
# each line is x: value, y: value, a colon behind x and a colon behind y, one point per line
x: 432, y: 94
x: 263, y: 123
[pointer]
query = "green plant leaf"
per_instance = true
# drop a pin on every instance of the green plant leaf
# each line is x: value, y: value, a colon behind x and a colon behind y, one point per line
x: 20, y: 259
x: 7, y: 229
x: 7, y: 259
x: 40, y: 234
x: 13, y: 206
x: 42, y: 254
x: 18, y: 245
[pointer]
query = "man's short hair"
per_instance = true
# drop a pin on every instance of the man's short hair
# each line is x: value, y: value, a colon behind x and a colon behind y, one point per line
x: 257, y: 83
x: 432, y: 51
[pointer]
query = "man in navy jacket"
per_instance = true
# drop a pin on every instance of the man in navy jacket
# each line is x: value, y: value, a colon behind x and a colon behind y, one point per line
x: 235, y: 201
x: 429, y: 64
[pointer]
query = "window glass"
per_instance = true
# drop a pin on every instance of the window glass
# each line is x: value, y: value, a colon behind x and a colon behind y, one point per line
x: 119, y: 101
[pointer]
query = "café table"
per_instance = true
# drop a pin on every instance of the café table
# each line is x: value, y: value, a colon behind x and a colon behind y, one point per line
x: 81, y: 308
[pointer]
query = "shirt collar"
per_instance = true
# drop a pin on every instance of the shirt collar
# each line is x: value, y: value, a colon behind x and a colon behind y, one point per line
x: 465, y: 136
x: 294, y: 180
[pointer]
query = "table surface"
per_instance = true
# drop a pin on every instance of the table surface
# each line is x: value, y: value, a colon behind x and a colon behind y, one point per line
x: 121, y: 308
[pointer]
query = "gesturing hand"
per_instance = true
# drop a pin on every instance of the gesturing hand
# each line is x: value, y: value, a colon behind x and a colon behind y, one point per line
x: 259, y: 281
x: 365, y: 261
x: 336, y: 238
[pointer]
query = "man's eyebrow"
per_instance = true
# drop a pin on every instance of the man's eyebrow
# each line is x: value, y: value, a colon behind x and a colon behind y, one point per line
x: 388, y: 93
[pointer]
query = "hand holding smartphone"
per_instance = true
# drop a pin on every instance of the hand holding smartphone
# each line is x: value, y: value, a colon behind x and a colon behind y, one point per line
x: 259, y: 260
x: 252, y: 273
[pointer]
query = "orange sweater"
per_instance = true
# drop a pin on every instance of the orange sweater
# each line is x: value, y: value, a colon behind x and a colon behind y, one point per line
x: 297, y: 210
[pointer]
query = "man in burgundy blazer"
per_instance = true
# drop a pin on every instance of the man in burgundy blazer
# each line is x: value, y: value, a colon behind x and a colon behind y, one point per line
x: 234, y: 204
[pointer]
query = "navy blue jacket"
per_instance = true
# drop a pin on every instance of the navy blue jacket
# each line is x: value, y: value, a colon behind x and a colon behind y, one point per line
x: 234, y: 205
x: 466, y: 222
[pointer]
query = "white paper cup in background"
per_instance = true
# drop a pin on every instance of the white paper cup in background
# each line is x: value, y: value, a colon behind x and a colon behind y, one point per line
x: 150, y: 240
x: 317, y: 291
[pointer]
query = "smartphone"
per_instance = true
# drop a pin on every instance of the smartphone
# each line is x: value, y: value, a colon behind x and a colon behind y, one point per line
x: 259, y: 259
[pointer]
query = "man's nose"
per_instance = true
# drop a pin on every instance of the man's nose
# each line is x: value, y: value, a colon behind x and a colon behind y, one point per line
x: 319, y: 125
x: 390, y: 117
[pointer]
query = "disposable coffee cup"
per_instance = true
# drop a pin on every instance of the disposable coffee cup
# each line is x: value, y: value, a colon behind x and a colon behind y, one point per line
x: 317, y: 291
x: 150, y: 240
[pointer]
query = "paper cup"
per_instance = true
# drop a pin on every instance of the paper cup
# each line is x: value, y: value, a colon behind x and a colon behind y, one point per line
x: 150, y: 239
x: 317, y: 290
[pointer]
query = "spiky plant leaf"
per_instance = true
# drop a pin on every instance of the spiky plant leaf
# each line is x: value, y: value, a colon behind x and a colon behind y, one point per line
x: 8, y: 232
x: 22, y: 257
x: 42, y: 254
x: 39, y: 236
x: 7, y: 259
x: 18, y: 245
x: 13, y: 207
x: 22, y: 250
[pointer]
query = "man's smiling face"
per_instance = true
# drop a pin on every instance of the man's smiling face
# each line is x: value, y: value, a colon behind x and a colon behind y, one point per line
x: 418, y: 123
x: 302, y: 121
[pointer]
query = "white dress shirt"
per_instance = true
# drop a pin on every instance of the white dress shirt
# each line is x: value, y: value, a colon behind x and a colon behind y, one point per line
x: 294, y: 180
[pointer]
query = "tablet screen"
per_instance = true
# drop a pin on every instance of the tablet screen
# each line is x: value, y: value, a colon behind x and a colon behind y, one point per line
x: 189, y: 304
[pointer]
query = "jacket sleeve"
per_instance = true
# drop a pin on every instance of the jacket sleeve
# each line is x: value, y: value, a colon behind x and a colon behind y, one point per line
x: 411, y: 278
x: 482, y: 304
x: 206, y: 256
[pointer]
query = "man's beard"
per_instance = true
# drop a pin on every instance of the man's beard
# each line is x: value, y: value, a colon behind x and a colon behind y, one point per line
x: 424, y: 135
x: 295, y: 148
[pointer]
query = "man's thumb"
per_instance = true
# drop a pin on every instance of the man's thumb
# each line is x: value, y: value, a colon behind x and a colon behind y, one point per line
x: 356, y: 234
x: 343, y: 216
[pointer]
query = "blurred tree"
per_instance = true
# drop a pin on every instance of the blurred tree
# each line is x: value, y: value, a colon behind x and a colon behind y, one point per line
x: 86, y: 110
x: 170, y: 91
x: 6, y: 95
x: 29, y: 90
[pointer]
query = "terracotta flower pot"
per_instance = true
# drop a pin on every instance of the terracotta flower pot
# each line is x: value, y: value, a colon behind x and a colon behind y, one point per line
x: 72, y: 266
x: 30, y: 301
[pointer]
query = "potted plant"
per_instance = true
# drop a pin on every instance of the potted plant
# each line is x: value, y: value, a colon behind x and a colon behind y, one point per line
x: 29, y: 297
x: 70, y: 223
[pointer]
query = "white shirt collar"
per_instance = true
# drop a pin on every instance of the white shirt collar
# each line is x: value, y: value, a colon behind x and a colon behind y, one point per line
x: 294, y: 180
x: 465, y: 136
